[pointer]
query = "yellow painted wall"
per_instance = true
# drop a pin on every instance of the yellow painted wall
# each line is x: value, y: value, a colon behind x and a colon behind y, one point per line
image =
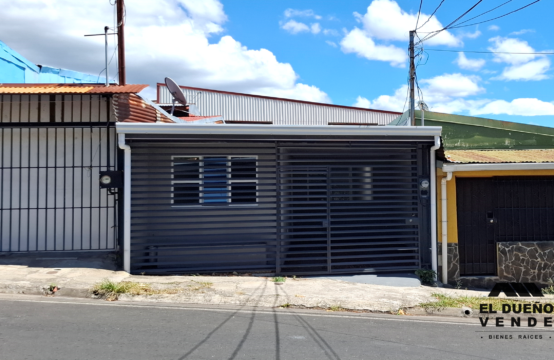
x: 451, y: 195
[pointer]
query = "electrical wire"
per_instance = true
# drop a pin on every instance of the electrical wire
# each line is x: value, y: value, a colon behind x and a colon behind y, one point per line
x: 486, y: 12
x: 498, y: 17
x: 493, y: 52
x: 430, y: 16
x: 452, y: 23
x: 418, y: 13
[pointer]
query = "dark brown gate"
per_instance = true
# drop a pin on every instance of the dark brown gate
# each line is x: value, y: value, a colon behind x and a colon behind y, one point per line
x: 501, y: 209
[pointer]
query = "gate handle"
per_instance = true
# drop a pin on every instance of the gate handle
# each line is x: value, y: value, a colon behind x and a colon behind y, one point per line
x: 490, y: 217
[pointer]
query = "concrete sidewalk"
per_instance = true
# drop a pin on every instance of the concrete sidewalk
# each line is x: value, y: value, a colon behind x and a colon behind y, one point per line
x: 76, y: 275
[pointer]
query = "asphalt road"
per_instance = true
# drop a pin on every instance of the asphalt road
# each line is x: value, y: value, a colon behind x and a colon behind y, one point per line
x: 52, y: 328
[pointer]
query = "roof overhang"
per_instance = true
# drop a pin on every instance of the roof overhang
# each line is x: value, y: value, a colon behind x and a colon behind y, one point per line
x: 497, y: 167
x: 277, y: 130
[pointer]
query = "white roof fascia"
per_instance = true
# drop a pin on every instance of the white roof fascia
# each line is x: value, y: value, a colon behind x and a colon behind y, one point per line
x: 502, y: 166
x: 240, y: 129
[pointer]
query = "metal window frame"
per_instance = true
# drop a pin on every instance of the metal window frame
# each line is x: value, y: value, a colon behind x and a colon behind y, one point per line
x: 201, y: 180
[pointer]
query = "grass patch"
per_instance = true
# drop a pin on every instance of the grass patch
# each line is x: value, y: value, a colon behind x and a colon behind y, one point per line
x: 110, y: 290
x: 279, y: 279
x: 445, y: 301
x: 200, y: 285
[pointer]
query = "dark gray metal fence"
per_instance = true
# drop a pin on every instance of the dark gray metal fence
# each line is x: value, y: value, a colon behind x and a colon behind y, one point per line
x: 497, y: 209
x: 283, y: 207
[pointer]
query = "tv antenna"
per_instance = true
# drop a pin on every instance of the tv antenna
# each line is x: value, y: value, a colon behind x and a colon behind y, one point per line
x: 175, y: 90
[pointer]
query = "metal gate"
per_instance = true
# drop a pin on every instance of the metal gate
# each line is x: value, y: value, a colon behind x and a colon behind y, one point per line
x: 50, y: 198
x: 278, y: 207
x: 501, y: 209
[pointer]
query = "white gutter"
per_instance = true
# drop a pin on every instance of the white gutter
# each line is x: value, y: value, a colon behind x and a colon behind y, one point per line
x: 433, y: 179
x: 126, y: 203
x: 444, y: 228
x: 503, y: 166
x: 244, y: 129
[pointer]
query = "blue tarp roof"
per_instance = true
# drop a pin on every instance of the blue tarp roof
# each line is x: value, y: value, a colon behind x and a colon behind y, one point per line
x: 38, y: 74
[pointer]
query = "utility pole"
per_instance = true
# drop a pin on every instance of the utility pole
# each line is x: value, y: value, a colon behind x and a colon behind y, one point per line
x: 121, y: 41
x: 412, y: 79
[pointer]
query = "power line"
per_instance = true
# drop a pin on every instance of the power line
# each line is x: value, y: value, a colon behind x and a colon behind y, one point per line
x: 418, y: 13
x: 475, y: 17
x: 493, y: 52
x: 452, y: 23
x: 430, y: 16
x: 498, y: 17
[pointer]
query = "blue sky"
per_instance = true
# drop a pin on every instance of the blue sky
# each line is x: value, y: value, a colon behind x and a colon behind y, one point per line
x: 348, y: 52
x: 346, y: 76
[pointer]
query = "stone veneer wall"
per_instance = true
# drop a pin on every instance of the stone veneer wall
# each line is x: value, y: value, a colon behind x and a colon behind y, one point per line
x: 453, y: 263
x: 526, y: 261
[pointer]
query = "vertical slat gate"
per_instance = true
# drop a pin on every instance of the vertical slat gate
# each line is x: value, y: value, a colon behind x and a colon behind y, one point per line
x: 52, y: 149
x: 500, y: 209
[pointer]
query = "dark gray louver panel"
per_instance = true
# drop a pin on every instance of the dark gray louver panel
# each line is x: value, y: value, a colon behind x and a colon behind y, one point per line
x: 283, y: 207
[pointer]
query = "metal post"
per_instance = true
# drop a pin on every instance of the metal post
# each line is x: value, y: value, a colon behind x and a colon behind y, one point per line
x: 121, y: 41
x: 106, y: 28
x: 412, y: 79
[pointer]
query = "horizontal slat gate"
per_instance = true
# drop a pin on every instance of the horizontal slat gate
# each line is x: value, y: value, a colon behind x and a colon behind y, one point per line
x: 283, y: 207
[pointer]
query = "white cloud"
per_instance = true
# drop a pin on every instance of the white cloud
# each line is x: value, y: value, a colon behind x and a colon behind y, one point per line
x: 330, y: 32
x: 332, y: 43
x: 473, y: 35
x: 295, y: 27
x: 357, y: 41
x: 452, y: 85
x: 523, y: 31
x: 51, y: 33
x: 533, y: 70
x: 315, y: 28
x: 301, y: 13
x: 510, y: 45
x: 524, y: 63
x: 362, y: 102
x: 494, y: 28
x: 448, y: 93
x: 440, y: 93
x: 385, y: 20
x: 521, y: 107
x: 469, y: 64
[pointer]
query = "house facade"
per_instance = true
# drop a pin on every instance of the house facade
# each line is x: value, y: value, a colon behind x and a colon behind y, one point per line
x: 495, y: 190
x: 277, y: 199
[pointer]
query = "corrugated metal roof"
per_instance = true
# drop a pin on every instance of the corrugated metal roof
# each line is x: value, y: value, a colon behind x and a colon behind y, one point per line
x: 132, y: 108
x: 246, y: 107
x: 499, y: 156
x: 69, y: 89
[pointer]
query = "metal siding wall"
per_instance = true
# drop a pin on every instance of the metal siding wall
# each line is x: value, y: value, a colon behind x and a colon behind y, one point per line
x: 49, y: 197
x: 280, y: 112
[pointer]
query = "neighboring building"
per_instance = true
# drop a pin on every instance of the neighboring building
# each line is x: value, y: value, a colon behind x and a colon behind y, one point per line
x: 256, y: 109
x: 14, y: 68
x: 54, y: 141
x: 498, y: 183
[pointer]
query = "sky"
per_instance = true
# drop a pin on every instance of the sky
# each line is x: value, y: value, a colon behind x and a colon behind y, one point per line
x: 347, y: 52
